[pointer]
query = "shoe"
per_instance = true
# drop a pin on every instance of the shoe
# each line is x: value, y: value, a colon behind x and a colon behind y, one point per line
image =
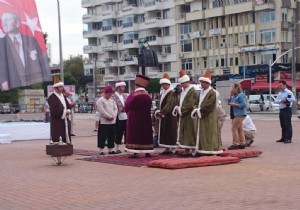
x: 287, y: 141
x: 250, y: 142
x: 101, y: 153
x: 118, y: 151
x: 134, y: 155
x: 112, y: 153
x: 73, y: 134
x: 95, y: 130
x: 233, y: 147
x: 147, y: 155
x: 241, y: 146
x: 280, y: 140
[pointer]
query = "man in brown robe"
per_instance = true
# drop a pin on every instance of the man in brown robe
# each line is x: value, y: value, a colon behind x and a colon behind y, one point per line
x: 167, y: 135
x: 60, y: 110
x: 139, y: 124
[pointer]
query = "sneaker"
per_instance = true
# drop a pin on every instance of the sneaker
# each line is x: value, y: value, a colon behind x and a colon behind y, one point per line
x: 73, y: 134
x: 233, y: 147
x: 241, y: 146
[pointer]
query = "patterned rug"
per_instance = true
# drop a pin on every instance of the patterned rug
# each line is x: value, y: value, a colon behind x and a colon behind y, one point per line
x: 124, y: 159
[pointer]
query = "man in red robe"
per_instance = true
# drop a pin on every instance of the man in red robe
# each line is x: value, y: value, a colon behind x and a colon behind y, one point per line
x: 60, y: 111
x: 139, y: 124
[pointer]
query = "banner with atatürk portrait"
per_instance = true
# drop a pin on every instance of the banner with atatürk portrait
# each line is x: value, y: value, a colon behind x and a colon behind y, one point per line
x: 23, y: 56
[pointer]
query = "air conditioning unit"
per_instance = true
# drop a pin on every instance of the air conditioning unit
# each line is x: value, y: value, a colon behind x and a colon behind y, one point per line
x: 181, y: 55
x: 201, y: 32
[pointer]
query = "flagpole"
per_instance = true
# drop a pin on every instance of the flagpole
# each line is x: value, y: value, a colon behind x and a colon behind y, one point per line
x: 60, y: 46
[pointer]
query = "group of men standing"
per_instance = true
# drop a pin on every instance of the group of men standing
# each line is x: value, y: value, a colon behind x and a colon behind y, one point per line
x: 190, y: 123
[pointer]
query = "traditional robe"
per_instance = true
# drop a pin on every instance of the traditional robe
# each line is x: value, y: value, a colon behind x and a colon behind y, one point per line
x: 186, y: 132
x: 139, y: 124
x: 167, y: 135
x: 59, y: 120
x: 207, y: 133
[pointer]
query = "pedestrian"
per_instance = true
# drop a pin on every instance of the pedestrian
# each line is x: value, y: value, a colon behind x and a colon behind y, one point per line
x: 221, y: 113
x: 97, y: 116
x: 70, y: 100
x: 47, y: 111
x: 167, y: 135
x: 60, y: 112
x: 261, y: 102
x: 285, y: 100
x: 120, y: 98
x: 249, y: 130
x: 107, y: 109
x: 186, y: 131
x: 139, y: 137
x: 239, y: 111
x: 207, y: 140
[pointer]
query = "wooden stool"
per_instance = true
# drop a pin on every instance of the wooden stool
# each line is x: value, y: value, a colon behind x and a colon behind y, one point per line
x: 59, y: 152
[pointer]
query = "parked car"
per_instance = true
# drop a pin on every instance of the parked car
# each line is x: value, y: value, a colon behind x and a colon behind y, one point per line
x: 253, y: 103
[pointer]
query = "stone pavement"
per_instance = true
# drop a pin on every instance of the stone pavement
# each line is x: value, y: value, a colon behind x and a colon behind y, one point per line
x: 270, y: 181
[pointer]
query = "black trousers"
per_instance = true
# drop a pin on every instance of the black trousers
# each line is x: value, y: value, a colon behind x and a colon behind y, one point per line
x: 106, y: 132
x: 285, y: 116
x: 120, y: 130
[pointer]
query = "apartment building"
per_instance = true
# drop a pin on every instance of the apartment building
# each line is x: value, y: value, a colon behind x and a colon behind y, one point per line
x: 223, y: 36
x: 113, y: 29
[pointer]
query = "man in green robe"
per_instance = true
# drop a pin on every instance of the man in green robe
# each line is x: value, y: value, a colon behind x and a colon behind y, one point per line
x: 208, y: 142
x: 167, y: 135
x: 186, y: 132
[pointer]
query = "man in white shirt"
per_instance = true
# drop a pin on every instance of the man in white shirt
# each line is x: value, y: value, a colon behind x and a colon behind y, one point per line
x: 108, y: 112
x: 249, y: 130
x: 120, y: 99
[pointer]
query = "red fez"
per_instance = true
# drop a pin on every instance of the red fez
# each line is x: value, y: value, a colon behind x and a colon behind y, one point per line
x: 142, y: 80
x: 108, y: 89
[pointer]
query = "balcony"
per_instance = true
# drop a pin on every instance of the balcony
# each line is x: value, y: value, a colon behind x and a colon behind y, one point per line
x: 214, y: 12
x: 109, y: 14
x: 264, y: 5
x: 86, y: 3
x: 166, y: 57
x: 111, y: 62
x: 129, y: 10
x: 87, y: 18
x: 152, y: 23
x: 129, y: 60
x: 109, y: 46
x: 109, y: 77
x: 89, y: 34
x: 90, y: 49
x: 196, y: 15
x: 130, y: 43
x: 239, y: 8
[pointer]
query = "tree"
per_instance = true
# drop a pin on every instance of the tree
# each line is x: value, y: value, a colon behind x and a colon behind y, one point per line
x: 74, y: 66
x: 153, y: 86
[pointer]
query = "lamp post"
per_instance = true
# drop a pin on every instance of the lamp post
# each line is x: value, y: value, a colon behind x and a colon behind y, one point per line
x: 95, y: 78
x: 294, y: 108
x: 60, y: 46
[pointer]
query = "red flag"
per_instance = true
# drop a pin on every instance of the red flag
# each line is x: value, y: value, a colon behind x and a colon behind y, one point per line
x: 23, y: 56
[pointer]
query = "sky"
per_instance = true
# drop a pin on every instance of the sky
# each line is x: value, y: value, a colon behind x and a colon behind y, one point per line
x: 71, y: 26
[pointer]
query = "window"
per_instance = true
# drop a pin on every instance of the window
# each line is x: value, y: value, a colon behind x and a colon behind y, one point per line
x: 166, y: 14
x: 266, y: 57
x: 241, y: 39
x: 284, y: 14
x: 217, y: 60
x: 102, y: 71
x: 267, y: 36
x: 167, y: 49
x: 252, y: 37
x: 267, y: 16
x: 253, y: 58
x: 187, y: 64
x: 223, y: 61
x: 236, y: 60
x: 230, y: 60
x: 186, y: 46
x: 204, y: 59
x: 204, y: 43
x: 166, y: 31
x: 122, y: 70
x: 230, y: 21
x: 253, y: 17
x: 185, y: 28
x: 217, y: 3
x: 129, y: 37
x: 127, y: 21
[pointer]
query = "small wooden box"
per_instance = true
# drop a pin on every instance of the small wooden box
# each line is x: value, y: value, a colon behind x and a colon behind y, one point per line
x: 59, y: 150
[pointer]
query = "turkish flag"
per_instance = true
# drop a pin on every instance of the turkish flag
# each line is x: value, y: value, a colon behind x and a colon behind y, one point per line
x: 23, y: 56
x: 27, y: 12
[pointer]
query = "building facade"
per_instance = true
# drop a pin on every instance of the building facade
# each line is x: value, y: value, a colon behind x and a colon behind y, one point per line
x: 195, y: 35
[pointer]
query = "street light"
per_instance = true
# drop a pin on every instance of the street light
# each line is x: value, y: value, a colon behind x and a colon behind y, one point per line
x: 60, y: 46
x: 95, y: 78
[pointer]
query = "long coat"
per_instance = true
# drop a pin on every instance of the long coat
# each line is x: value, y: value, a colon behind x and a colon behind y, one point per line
x: 57, y: 125
x: 186, y: 133
x: 208, y: 134
x: 139, y: 125
x: 168, y: 123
